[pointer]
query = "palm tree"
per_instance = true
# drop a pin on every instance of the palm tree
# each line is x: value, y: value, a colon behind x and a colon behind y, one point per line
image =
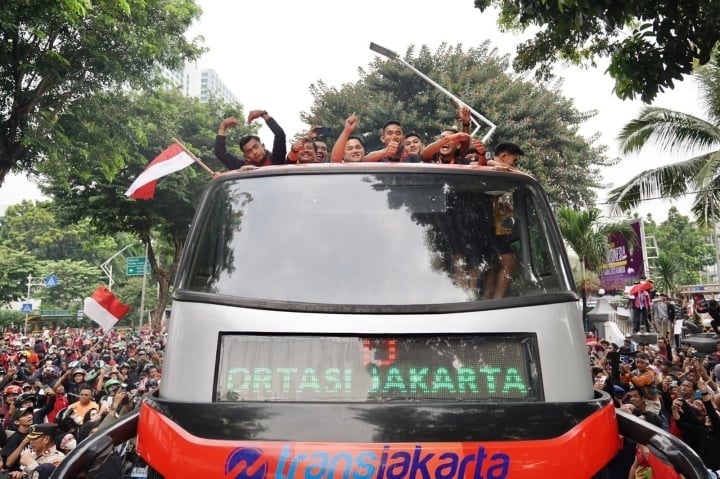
x: 680, y: 132
x: 587, y: 235
x: 665, y: 274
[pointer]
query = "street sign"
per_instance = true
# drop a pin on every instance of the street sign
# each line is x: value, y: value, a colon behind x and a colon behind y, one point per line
x: 80, y: 314
x: 54, y: 313
x: 26, y: 308
x: 137, y: 266
x: 51, y: 281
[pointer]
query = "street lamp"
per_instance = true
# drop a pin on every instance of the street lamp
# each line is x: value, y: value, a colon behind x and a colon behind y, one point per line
x: 107, y: 267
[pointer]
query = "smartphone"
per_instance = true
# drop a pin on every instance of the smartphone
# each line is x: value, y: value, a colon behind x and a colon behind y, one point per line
x: 323, y: 131
x: 673, y: 383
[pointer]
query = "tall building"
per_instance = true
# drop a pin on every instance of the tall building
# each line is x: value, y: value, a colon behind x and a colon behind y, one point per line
x: 201, y: 83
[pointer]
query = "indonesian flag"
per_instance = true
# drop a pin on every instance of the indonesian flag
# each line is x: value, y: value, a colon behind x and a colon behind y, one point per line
x: 173, y: 159
x: 104, y: 308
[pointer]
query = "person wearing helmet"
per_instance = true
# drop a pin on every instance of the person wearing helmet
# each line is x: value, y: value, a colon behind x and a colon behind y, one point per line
x: 26, y: 399
x: 9, y: 394
x: 111, y: 387
x: 133, y: 375
x: 72, y: 380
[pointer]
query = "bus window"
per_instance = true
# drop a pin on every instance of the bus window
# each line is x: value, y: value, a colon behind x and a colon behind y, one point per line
x: 398, y: 239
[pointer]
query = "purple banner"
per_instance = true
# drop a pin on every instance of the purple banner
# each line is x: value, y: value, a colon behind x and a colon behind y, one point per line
x: 624, y: 265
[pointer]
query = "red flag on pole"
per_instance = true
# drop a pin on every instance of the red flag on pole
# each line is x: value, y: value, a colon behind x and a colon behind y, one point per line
x: 173, y: 159
x: 104, y: 308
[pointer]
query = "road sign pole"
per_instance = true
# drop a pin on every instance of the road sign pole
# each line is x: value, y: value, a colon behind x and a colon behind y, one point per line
x: 142, y: 295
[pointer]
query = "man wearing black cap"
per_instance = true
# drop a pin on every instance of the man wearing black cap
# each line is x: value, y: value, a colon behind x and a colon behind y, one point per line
x: 44, y: 456
x: 23, y: 418
x: 506, y: 153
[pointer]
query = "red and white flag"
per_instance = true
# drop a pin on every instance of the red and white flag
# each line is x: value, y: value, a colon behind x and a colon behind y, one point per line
x: 173, y: 159
x: 104, y: 308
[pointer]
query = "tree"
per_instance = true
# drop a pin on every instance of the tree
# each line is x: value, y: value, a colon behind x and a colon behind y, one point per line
x: 683, y: 244
x: 665, y: 274
x: 76, y: 281
x: 14, y: 269
x: 650, y: 44
x: 32, y: 226
x: 587, y: 235
x: 681, y: 133
x: 57, y: 54
x: 537, y: 117
x: 136, y: 127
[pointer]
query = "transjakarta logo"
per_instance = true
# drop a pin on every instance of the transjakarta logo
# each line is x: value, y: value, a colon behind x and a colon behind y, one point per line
x: 246, y: 463
x: 394, y: 462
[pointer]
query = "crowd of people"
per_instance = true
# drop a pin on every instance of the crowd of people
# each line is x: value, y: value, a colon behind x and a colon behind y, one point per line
x: 667, y: 382
x: 451, y: 147
x: 61, y: 385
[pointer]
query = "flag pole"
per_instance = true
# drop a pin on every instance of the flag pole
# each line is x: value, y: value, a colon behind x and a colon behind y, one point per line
x: 197, y: 160
x: 394, y: 56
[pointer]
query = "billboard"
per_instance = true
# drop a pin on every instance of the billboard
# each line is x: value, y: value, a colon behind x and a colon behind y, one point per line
x: 624, y: 264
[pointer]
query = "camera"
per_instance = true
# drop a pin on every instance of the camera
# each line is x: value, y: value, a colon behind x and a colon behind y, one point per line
x: 123, y: 387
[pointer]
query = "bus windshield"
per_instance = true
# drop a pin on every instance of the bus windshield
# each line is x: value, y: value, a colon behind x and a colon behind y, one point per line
x: 396, y: 238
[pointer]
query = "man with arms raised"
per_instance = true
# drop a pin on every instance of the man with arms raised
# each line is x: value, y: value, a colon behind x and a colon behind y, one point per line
x: 254, y: 151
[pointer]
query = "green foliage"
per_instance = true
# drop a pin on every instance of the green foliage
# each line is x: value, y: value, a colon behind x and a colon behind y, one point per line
x: 134, y: 128
x: 33, y: 227
x: 76, y: 281
x: 665, y: 273
x: 532, y: 115
x: 131, y: 293
x: 9, y: 317
x: 33, y: 242
x: 15, y: 266
x: 684, y: 249
x: 586, y: 232
x: 650, y: 44
x: 680, y: 133
x: 59, y: 54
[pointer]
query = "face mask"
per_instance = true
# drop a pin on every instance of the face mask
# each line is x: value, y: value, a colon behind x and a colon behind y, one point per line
x: 68, y: 443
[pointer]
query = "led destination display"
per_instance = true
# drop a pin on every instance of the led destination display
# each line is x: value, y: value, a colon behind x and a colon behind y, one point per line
x: 313, y: 368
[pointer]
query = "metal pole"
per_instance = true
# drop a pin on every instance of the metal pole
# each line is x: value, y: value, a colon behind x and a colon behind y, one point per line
x: 27, y: 300
x: 142, y: 295
x: 107, y: 267
x: 394, y: 56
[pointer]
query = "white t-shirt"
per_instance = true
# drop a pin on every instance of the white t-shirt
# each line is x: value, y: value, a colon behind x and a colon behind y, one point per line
x: 678, y: 327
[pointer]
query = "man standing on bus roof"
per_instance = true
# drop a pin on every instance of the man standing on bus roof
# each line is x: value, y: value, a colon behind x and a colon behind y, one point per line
x: 254, y: 151
x: 506, y: 154
x: 498, y: 278
x: 393, y: 138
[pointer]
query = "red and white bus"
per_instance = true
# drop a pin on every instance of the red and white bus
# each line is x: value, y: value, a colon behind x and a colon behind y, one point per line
x: 340, y: 321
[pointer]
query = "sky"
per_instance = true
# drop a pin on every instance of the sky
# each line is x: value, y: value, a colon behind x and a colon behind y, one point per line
x: 269, y: 52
